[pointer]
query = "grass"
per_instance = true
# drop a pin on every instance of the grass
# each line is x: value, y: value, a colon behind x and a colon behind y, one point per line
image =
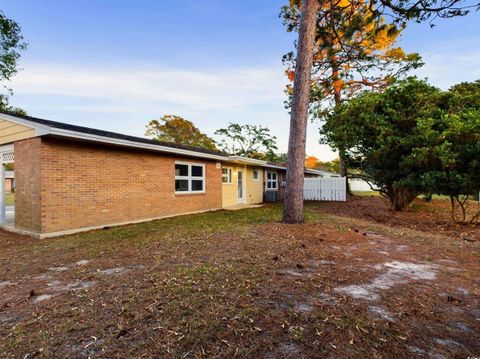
x: 232, y: 284
x: 366, y: 193
x: 9, y: 199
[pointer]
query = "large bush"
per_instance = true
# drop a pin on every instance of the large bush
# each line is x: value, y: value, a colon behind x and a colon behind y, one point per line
x: 413, y: 139
x: 388, y: 137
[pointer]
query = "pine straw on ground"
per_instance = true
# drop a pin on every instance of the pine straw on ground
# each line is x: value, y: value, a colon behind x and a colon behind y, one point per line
x: 241, y: 284
x: 434, y: 216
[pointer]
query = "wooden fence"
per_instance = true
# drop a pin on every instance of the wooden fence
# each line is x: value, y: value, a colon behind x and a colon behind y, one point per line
x: 325, y: 189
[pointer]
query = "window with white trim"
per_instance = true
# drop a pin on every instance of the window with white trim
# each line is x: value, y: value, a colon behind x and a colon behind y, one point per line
x: 272, y: 183
x: 189, y: 177
x: 226, y: 175
x: 255, y: 175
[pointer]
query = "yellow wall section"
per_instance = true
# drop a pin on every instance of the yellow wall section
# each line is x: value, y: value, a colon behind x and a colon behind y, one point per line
x: 10, y: 132
x: 253, y: 188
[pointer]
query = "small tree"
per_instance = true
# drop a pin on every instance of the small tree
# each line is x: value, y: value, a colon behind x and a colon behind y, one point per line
x: 388, y: 137
x: 247, y: 140
x: 457, y: 173
x: 175, y: 129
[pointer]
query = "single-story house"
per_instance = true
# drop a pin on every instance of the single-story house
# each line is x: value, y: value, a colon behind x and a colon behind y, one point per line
x: 71, y: 178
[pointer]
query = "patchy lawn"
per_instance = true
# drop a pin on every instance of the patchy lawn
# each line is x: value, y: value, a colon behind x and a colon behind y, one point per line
x: 9, y: 199
x: 239, y: 284
x: 428, y: 217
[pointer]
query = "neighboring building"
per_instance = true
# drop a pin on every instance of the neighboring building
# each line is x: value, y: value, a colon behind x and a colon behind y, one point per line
x: 72, y: 178
x: 9, y: 181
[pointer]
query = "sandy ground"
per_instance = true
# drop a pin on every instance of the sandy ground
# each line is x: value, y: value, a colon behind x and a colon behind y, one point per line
x: 240, y: 284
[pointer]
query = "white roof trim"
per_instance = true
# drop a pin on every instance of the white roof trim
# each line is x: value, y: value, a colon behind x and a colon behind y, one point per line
x: 126, y: 143
x: 41, y: 130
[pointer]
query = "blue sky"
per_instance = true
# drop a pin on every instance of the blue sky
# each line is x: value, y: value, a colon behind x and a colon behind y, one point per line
x: 116, y: 64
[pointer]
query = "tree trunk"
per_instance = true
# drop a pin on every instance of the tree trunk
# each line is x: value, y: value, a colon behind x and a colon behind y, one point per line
x: 400, y: 198
x: 293, y: 209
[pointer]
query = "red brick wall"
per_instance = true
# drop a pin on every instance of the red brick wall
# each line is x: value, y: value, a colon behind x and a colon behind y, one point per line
x: 85, y: 185
x: 28, y: 178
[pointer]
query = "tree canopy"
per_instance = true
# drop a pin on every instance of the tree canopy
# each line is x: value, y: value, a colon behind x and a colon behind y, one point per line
x: 6, y: 107
x: 175, y: 129
x: 413, y: 138
x: 354, y: 50
x: 248, y: 140
x: 11, y: 44
x: 314, y: 163
x: 457, y: 169
x: 383, y: 133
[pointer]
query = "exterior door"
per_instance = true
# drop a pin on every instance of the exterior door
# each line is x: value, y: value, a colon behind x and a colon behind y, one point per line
x: 240, y: 195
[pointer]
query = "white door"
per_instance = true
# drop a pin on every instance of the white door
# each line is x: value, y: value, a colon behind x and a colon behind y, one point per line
x: 240, y: 190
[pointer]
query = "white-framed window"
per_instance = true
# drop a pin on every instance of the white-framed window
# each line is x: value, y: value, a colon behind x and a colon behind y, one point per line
x: 255, y: 175
x: 189, y: 177
x: 227, y: 175
x: 272, y: 181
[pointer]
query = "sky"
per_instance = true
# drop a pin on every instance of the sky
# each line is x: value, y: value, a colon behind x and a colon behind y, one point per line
x: 117, y: 64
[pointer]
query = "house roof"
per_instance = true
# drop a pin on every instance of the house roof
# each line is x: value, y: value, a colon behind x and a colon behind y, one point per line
x: 59, y: 129
x: 113, y: 135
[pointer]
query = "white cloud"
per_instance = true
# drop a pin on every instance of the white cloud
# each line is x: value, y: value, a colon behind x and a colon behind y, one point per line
x: 451, y: 63
x: 124, y: 99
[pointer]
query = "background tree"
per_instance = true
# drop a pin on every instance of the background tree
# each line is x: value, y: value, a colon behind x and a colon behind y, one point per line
x: 275, y: 157
x: 388, y: 137
x: 331, y: 166
x: 175, y: 129
x: 354, y: 50
x: 247, y: 140
x: 6, y: 107
x: 11, y: 44
x: 312, y: 162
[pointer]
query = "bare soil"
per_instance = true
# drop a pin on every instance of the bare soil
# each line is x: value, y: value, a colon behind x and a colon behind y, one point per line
x: 241, y: 284
x: 429, y: 217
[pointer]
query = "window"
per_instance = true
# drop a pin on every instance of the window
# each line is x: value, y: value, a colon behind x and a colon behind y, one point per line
x: 189, y: 178
x: 226, y: 175
x: 272, y: 183
x: 255, y: 175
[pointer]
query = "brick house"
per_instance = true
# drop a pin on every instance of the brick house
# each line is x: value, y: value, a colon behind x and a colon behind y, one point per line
x: 71, y: 178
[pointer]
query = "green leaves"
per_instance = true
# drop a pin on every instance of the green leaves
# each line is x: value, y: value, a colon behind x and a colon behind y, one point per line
x: 412, y: 137
x: 248, y: 140
x: 11, y: 43
x: 175, y: 129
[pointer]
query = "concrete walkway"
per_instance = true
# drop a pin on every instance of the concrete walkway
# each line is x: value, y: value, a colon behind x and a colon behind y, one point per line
x: 242, y: 206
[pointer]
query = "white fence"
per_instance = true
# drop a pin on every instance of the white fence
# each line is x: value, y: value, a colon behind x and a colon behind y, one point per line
x: 325, y: 189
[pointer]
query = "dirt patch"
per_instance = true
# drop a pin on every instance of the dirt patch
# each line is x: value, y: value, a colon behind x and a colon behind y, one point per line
x: 431, y: 217
x: 240, y: 284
